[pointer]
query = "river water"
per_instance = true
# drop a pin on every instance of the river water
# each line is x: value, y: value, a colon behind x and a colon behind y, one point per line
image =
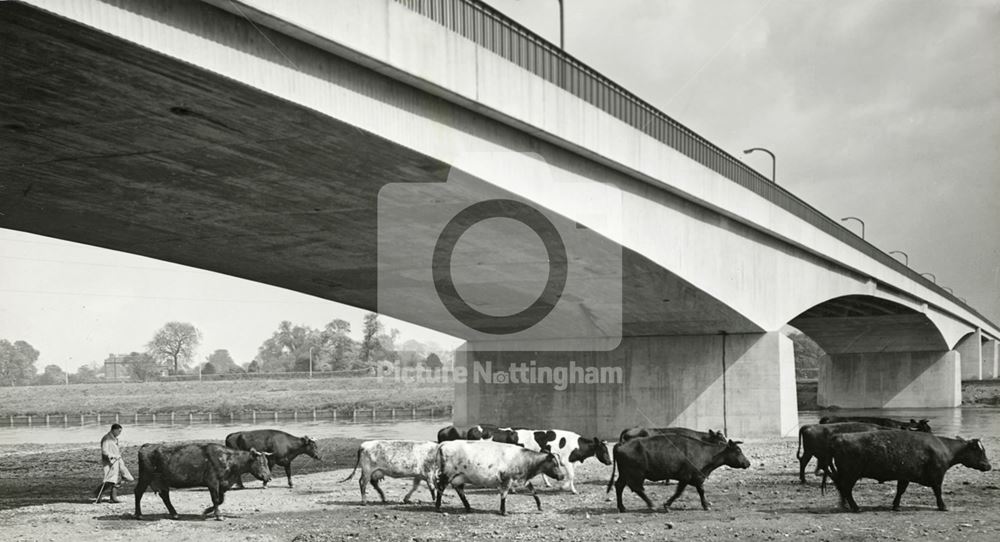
x: 969, y: 423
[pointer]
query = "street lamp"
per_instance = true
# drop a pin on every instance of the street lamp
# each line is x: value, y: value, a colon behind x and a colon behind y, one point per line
x: 931, y: 275
x: 862, y: 222
x: 562, y: 29
x: 310, y: 362
x: 950, y: 291
x: 774, y: 161
x: 905, y: 257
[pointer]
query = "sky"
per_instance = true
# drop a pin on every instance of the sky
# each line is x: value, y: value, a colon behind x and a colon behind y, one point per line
x: 888, y: 111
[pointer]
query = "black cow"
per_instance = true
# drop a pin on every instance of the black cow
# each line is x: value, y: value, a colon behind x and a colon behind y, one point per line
x: 639, y: 432
x: 905, y: 456
x: 912, y: 425
x: 281, y: 447
x: 671, y: 457
x: 214, y: 466
x: 481, y: 431
x: 814, y: 441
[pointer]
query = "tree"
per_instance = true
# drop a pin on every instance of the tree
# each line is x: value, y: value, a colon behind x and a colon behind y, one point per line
x: 142, y: 366
x: 53, y: 374
x: 433, y: 362
x: 86, y: 373
x: 221, y: 361
x: 209, y: 369
x: 339, y: 350
x: 175, y: 344
x: 17, y: 363
x: 288, y: 348
x: 370, y: 338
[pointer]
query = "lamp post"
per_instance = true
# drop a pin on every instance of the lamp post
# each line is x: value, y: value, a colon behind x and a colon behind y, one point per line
x: 310, y: 362
x: 774, y: 161
x: 906, y: 259
x: 562, y: 28
x: 931, y: 275
x: 949, y: 290
x: 862, y: 222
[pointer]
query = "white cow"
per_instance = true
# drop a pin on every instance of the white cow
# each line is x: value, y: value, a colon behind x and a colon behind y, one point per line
x: 396, y: 459
x: 485, y: 463
x: 569, y: 446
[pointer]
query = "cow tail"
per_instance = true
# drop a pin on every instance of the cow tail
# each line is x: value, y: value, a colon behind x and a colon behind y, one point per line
x: 614, y: 464
x: 798, y: 453
x: 358, y: 462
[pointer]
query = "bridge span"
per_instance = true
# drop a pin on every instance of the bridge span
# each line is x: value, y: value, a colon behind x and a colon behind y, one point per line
x: 310, y: 145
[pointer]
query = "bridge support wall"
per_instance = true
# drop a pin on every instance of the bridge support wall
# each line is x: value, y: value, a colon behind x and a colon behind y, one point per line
x: 650, y: 381
x: 991, y: 359
x: 891, y: 380
x: 971, y: 350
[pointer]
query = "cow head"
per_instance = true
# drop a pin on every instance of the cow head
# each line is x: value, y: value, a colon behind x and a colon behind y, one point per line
x: 973, y: 455
x: 552, y: 467
x: 922, y: 425
x: 733, y: 455
x: 258, y: 465
x: 602, y: 451
x: 309, y: 448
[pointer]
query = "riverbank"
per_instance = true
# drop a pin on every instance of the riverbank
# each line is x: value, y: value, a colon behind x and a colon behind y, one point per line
x: 343, y: 395
x: 46, y: 497
x: 222, y: 397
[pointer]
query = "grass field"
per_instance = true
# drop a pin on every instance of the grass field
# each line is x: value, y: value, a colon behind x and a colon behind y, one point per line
x: 225, y: 396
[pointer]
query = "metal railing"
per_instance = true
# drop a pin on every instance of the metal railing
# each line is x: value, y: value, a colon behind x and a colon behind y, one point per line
x: 503, y: 36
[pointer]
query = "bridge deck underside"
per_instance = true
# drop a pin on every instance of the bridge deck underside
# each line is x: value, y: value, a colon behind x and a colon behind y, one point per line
x: 109, y: 144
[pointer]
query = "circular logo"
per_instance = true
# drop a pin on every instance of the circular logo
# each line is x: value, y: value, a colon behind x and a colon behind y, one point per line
x: 445, y: 284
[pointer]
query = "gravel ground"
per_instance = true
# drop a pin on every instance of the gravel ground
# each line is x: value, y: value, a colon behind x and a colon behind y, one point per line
x: 44, y: 497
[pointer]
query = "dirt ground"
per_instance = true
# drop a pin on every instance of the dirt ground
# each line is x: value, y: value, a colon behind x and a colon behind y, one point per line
x: 45, y: 497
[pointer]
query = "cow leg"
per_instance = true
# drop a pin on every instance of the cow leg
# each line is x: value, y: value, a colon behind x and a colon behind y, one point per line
x: 803, y: 462
x: 165, y: 497
x: 538, y: 502
x: 378, y: 488
x: 363, y: 484
x: 504, y: 489
x: 701, y: 494
x: 460, y: 489
x: 239, y: 482
x: 619, y: 487
x: 570, y: 477
x: 900, y: 488
x: 677, y: 493
x: 545, y: 480
x: 416, y: 484
x: 640, y: 490
x: 846, y: 488
x: 442, y: 483
x: 288, y: 472
x: 937, y: 495
x: 216, y: 495
x: 140, y: 488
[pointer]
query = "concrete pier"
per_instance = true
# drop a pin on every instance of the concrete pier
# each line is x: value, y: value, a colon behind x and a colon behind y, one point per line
x: 890, y: 380
x: 744, y: 384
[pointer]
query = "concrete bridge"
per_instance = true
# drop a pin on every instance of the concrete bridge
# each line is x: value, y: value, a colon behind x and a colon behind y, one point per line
x: 305, y: 145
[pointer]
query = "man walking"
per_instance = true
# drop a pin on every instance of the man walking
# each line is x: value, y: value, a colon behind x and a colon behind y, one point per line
x: 114, y: 466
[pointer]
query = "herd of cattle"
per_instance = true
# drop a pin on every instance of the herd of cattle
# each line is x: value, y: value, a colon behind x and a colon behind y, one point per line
x: 507, y: 459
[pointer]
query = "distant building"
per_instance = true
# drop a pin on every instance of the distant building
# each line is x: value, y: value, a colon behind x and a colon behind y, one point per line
x: 118, y: 367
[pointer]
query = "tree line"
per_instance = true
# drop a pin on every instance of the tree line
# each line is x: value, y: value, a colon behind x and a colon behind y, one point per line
x: 291, y: 348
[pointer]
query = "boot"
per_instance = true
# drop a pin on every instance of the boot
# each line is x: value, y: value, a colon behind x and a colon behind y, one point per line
x: 114, y: 494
